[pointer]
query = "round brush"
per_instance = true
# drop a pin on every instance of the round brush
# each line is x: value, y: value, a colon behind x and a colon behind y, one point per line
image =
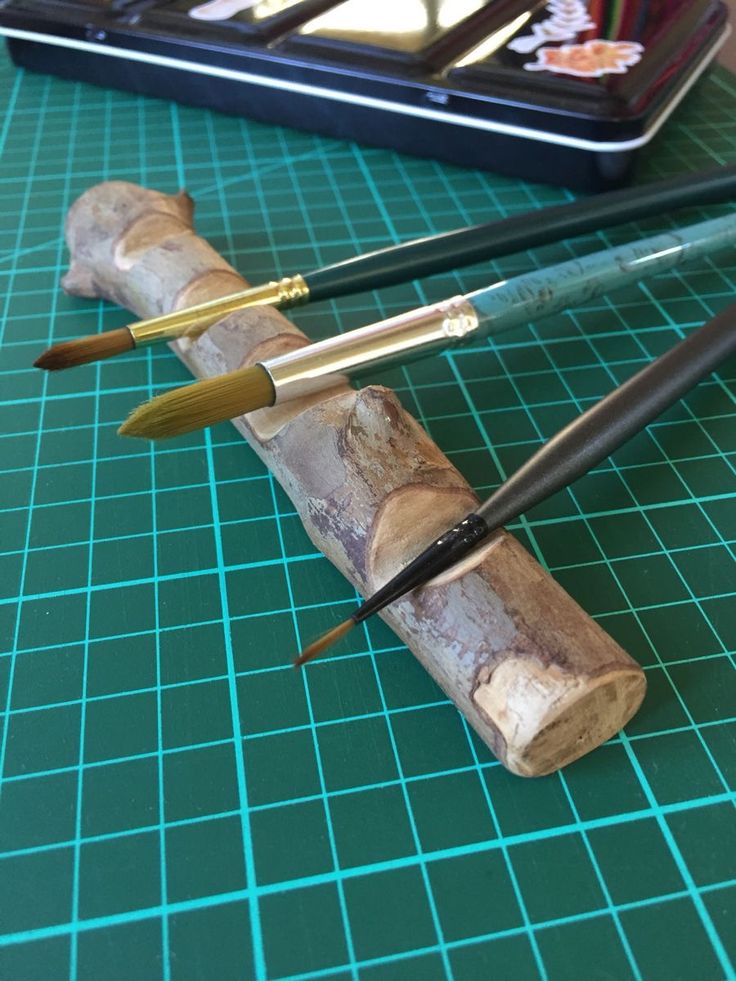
x: 409, y: 260
x: 420, y: 332
x: 575, y: 450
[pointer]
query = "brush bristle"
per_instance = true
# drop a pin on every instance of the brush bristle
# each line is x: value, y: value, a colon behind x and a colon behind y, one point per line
x: 96, y: 347
x: 325, y: 641
x: 202, y: 404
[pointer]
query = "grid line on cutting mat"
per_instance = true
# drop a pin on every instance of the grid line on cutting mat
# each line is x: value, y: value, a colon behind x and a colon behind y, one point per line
x: 172, y: 796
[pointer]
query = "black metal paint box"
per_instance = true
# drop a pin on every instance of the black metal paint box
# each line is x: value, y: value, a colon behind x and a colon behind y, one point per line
x: 563, y: 91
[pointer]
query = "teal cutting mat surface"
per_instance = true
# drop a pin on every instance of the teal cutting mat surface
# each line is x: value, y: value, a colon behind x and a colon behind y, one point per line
x: 176, y: 803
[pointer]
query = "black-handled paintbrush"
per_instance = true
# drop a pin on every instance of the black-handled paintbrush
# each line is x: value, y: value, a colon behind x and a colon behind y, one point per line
x: 410, y: 260
x: 418, y: 333
x: 577, y: 448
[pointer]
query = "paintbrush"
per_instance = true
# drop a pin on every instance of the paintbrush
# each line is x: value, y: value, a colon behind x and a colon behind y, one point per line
x: 574, y: 451
x: 420, y: 332
x: 409, y: 260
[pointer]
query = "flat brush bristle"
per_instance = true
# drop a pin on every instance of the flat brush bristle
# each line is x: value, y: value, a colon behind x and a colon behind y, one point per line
x: 323, y: 642
x: 202, y: 404
x: 97, y: 347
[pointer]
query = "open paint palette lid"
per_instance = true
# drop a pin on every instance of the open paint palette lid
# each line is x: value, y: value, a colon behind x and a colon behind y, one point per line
x: 564, y: 91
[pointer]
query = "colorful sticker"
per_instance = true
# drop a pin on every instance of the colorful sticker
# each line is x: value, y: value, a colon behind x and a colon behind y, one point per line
x: 567, y: 19
x: 589, y: 60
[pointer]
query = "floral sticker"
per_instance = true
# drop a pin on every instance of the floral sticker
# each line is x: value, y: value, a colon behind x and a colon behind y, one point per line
x: 589, y: 60
x: 567, y: 19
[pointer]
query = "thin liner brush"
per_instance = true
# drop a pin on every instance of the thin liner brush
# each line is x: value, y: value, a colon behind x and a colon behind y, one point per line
x: 421, y: 332
x: 575, y: 450
x: 411, y: 260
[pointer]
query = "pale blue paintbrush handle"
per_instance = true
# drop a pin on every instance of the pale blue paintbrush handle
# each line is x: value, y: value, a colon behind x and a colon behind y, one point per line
x: 570, y: 284
x: 522, y: 299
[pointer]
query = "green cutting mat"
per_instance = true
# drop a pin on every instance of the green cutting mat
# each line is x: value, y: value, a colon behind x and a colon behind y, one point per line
x: 176, y: 802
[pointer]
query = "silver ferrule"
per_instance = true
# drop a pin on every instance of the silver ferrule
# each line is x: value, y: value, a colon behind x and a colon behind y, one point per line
x: 399, y: 339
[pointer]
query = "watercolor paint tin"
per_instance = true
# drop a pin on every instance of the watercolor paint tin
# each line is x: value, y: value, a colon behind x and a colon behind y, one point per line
x: 565, y: 91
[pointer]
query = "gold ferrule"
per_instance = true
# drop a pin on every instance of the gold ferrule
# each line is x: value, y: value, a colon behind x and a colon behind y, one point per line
x: 193, y: 321
x: 400, y: 339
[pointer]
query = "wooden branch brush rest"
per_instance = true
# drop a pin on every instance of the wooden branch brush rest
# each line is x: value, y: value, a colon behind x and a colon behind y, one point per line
x: 540, y: 682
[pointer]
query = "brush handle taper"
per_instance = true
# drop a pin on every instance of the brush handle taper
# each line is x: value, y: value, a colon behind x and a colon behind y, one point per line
x: 607, y: 425
x: 538, y: 679
x: 464, y: 246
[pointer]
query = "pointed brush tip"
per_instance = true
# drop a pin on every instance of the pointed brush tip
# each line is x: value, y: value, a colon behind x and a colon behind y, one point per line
x: 327, y: 639
x: 52, y: 359
x: 85, y: 350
